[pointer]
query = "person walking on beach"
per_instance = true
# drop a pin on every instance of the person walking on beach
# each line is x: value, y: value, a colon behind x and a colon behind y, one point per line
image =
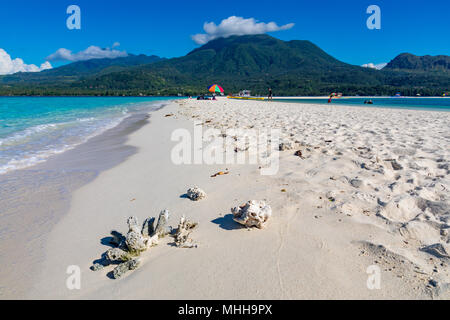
x: 330, y: 98
x: 270, y: 97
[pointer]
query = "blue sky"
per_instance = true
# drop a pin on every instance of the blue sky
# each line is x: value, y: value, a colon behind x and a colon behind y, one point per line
x: 32, y: 30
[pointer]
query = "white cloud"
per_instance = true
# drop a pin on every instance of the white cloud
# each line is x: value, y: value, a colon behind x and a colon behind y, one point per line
x: 116, y: 44
x: 236, y: 26
x: 10, y: 66
x: 93, y: 52
x: 378, y: 66
x: 46, y: 65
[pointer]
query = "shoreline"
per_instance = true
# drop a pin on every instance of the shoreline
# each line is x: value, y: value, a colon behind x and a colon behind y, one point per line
x: 28, y: 138
x: 310, y: 249
x: 343, y: 103
x: 37, y: 197
x: 357, y: 97
x: 178, y: 97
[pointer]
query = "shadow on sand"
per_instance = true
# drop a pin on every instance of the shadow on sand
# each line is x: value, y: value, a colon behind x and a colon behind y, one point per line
x: 106, y: 241
x: 227, y: 223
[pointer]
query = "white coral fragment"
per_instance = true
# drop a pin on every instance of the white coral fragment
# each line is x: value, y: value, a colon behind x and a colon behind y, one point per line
x: 286, y: 145
x: 196, y: 194
x: 182, y: 234
x: 133, y: 224
x: 127, y: 249
x: 162, y: 228
x: 117, y: 254
x: 254, y: 213
x: 134, y: 239
x: 124, y: 267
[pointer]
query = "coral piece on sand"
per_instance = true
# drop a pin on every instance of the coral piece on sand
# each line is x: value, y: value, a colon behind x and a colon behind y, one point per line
x: 182, y: 239
x: 162, y: 229
x: 133, y: 224
x: 252, y: 214
x: 116, y: 254
x: 124, y: 267
x: 283, y: 146
x: 138, y: 239
x: 97, y: 267
x: 134, y: 239
x: 196, y: 194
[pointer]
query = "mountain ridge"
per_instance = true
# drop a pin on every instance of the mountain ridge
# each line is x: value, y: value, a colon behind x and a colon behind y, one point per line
x: 255, y: 62
x: 409, y: 61
x: 84, y: 68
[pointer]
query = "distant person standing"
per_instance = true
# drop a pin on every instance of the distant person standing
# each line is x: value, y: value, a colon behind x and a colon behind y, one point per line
x: 330, y: 98
x: 270, y: 96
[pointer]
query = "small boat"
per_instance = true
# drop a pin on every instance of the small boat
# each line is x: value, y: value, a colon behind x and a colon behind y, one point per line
x: 245, y: 98
x: 245, y: 95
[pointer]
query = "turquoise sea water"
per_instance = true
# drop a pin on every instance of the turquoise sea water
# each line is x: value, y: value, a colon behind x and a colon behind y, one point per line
x: 35, y: 128
x: 434, y: 104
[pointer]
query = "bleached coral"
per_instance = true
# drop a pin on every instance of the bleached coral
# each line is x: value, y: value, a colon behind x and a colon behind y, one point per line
x: 135, y: 241
x: 254, y: 213
x: 127, y: 249
x: 124, y: 267
x: 286, y: 145
x: 116, y: 254
x: 196, y: 193
x: 185, y: 227
x: 162, y: 229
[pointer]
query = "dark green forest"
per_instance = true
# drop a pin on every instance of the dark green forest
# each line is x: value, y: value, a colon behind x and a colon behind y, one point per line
x: 239, y: 62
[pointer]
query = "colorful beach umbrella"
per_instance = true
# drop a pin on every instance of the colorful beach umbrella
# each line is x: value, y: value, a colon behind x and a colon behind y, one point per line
x: 215, y: 88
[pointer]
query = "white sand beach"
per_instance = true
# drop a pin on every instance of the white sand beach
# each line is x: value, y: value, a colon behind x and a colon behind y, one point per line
x: 370, y: 189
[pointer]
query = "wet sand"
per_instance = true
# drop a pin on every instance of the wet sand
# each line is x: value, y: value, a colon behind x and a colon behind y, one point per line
x: 33, y: 201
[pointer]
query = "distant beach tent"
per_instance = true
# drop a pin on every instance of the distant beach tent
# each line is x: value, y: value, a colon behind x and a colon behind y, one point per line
x: 215, y: 88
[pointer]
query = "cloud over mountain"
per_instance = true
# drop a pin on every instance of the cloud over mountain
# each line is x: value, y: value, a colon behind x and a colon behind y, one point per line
x: 92, y: 52
x: 378, y: 66
x: 10, y: 66
x: 236, y: 26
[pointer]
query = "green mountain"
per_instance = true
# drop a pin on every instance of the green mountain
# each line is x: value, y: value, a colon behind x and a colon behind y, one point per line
x: 73, y: 71
x: 407, y: 61
x: 238, y: 62
x: 254, y: 62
